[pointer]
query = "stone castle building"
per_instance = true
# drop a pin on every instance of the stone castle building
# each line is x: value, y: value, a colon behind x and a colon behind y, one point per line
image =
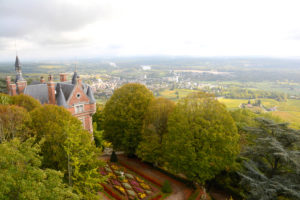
x: 76, y: 96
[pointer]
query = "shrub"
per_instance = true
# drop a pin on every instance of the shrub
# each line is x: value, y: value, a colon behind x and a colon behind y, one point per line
x: 166, y: 187
x: 113, y: 157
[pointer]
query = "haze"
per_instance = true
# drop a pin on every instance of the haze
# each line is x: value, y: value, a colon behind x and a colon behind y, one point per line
x: 72, y: 29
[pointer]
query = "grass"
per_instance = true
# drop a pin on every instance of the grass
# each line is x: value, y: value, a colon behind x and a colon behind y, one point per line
x: 288, y: 111
x: 171, y: 94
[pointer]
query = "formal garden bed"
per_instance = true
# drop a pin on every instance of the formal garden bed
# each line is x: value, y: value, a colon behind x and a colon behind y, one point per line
x: 123, y: 184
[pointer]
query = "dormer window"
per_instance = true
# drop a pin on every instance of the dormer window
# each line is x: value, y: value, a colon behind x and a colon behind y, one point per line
x: 79, y: 109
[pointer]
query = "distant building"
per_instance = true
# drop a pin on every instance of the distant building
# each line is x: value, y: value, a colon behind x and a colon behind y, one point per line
x: 76, y: 96
x: 146, y: 67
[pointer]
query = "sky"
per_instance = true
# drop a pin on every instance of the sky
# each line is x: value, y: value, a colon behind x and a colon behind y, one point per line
x: 73, y: 29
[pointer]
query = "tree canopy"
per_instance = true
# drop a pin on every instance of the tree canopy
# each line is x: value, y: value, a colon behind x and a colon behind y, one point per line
x: 155, y: 127
x: 21, y: 176
x: 202, y: 138
x: 67, y: 147
x: 124, y: 114
x: 273, y: 161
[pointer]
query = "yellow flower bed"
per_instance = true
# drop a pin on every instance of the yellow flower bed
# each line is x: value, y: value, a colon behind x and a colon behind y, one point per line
x: 142, y: 195
x: 139, y: 180
x: 145, y: 186
x: 121, y: 189
x: 111, y: 175
x: 115, y: 167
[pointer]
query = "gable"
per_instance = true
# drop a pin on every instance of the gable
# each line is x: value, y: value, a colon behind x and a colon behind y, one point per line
x: 77, y: 96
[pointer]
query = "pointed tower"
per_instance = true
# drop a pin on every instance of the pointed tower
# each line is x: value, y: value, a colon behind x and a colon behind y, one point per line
x: 20, y: 81
x: 60, y: 97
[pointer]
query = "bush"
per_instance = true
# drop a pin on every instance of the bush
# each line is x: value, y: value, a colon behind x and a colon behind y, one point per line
x: 113, y: 157
x: 166, y: 187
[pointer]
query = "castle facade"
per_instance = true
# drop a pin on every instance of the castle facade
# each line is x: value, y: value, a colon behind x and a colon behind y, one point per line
x: 74, y: 95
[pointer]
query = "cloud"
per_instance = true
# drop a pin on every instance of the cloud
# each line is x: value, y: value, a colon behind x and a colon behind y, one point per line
x: 41, y: 19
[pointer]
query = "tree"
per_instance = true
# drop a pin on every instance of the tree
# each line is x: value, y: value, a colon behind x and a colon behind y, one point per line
x: 155, y: 128
x: 67, y: 147
x: 21, y: 178
x: 28, y: 102
x: 5, y: 99
x: 124, y: 115
x: 14, y: 121
x: 273, y: 161
x: 98, y: 117
x: 166, y: 187
x: 202, y: 138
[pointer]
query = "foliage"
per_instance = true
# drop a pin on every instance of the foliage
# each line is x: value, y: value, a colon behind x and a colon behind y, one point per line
x: 5, y: 99
x: 155, y: 127
x: 67, y: 147
x: 83, y: 164
x: 272, y: 168
x: 113, y: 157
x: 166, y: 187
x: 202, y: 138
x: 14, y: 121
x: 98, y: 117
x: 27, y: 102
x: 98, y: 136
x: 124, y: 115
x: 21, y: 178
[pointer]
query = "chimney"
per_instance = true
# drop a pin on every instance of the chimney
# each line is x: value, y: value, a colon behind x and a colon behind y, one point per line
x: 8, y: 81
x: 42, y: 80
x: 51, y: 90
x: 63, y: 77
x: 13, y: 89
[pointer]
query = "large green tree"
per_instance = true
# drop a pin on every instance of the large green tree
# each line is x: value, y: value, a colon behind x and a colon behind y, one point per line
x: 67, y: 147
x: 202, y: 138
x: 155, y: 127
x: 21, y: 177
x: 25, y: 101
x: 272, y: 161
x: 14, y: 121
x: 124, y: 114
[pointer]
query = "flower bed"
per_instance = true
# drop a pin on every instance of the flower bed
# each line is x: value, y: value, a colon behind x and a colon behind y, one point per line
x: 127, y: 185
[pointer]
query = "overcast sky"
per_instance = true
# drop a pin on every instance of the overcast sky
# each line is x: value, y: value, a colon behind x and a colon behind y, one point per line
x: 91, y: 28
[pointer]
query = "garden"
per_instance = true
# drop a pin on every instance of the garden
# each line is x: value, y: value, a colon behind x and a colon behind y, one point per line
x: 124, y: 184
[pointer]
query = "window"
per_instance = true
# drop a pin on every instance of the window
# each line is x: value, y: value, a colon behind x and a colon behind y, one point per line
x: 78, y: 95
x: 79, y: 109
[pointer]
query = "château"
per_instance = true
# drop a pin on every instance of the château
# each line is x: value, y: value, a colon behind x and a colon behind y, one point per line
x: 74, y: 95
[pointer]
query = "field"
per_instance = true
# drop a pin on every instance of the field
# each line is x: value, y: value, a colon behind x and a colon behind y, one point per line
x: 288, y: 111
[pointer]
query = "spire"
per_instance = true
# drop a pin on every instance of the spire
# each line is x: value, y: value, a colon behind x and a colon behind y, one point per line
x: 17, y: 65
x: 90, y: 95
x: 60, y: 99
x: 74, y: 78
x: 19, y: 76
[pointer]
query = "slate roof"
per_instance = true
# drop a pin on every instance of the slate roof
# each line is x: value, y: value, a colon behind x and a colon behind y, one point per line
x: 60, y: 97
x: 63, y: 91
x: 39, y: 92
x: 19, y: 77
x: 74, y: 78
x: 90, y: 95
